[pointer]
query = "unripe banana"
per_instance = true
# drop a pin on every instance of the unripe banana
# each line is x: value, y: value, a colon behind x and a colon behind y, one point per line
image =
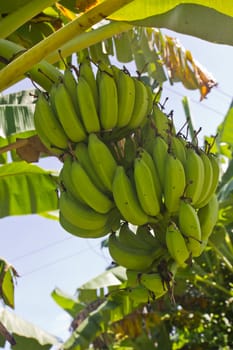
x: 140, y: 105
x: 128, y: 238
x: 145, y: 187
x: 208, y: 179
x: 144, y: 234
x: 82, y: 155
x: 139, y: 295
x: 153, y: 282
x: 126, y: 98
x: 208, y: 216
x: 126, y: 198
x: 48, y: 126
x: 215, y: 179
x: 67, y: 115
x: 102, y: 160
x: 112, y: 223
x: 130, y: 151
x: 108, y: 100
x: 177, y: 146
x: 148, y: 133
x: 159, y: 155
x: 70, y: 83
x: 81, y: 232
x: 194, y: 172
x: 189, y: 226
x: 86, y: 72
x: 174, y: 183
x: 176, y: 244
x: 80, y: 215
x: 150, y: 99
x: 66, y: 179
x: 87, y: 106
x: 147, y: 158
x: 89, y: 193
x: 137, y: 259
x: 163, y: 125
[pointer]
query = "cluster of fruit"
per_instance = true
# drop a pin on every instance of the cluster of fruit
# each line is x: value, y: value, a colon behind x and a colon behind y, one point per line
x: 127, y: 173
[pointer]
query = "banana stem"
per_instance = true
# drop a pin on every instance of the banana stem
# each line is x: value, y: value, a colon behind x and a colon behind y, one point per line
x: 16, y: 19
x: 9, y: 50
x: 87, y: 39
x: 30, y: 58
x: 213, y: 284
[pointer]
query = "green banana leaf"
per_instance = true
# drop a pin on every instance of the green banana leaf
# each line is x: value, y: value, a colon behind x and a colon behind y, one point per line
x: 26, y: 335
x: 200, y: 18
x: 26, y: 189
x: 67, y: 302
x: 8, y: 276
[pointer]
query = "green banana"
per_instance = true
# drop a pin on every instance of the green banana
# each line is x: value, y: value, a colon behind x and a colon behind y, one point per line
x: 48, y: 126
x: 208, y: 216
x: 126, y: 98
x: 81, y: 232
x: 140, y: 105
x: 215, y: 180
x: 108, y: 100
x: 194, y: 172
x: 87, y: 106
x: 162, y: 123
x: 82, y: 155
x: 79, y: 214
x: 151, y: 98
x: 159, y: 154
x: 139, y: 295
x: 177, y: 146
x: 154, y: 283
x: 143, y: 233
x: 86, y: 72
x: 66, y: 179
x: 189, y: 226
x: 128, y: 238
x: 174, y: 183
x: 126, y: 198
x: 147, y: 158
x: 146, y: 188
x: 67, y: 115
x: 70, y: 83
x: 176, y: 244
x: 89, y: 193
x: 130, y: 257
x: 148, y: 133
x: 102, y: 160
x: 130, y: 151
x: 208, y: 179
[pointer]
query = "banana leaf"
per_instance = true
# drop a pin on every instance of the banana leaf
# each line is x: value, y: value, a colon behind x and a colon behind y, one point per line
x: 198, y: 18
x: 26, y: 189
x: 24, y: 335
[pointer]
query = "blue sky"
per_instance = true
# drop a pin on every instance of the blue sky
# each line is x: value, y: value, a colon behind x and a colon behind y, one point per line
x: 46, y: 256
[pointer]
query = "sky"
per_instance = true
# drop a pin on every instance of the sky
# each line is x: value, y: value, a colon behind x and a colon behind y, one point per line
x: 46, y: 256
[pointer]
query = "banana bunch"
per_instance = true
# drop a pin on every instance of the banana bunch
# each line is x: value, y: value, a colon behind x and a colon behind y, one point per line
x: 111, y: 101
x: 128, y: 174
x: 87, y: 208
x: 133, y: 250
